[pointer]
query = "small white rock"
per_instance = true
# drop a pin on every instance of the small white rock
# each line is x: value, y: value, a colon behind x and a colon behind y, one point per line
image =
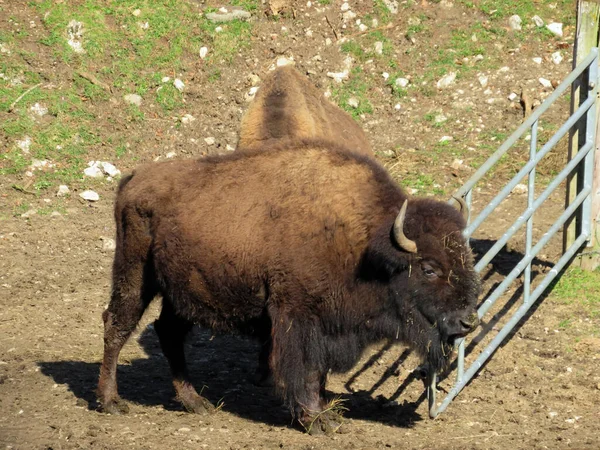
x: 557, y: 58
x: 345, y: 6
x: 401, y: 82
x: 544, y: 82
x: 328, y: 42
x: 338, y: 76
x: 133, y: 99
x: 385, y: 75
x: 353, y: 102
x: 555, y: 28
x: 24, y: 144
x: 515, y: 22
x: 379, y: 47
x: 446, y: 139
x: 362, y: 27
x: 348, y: 15
x: 283, y: 61
x: 29, y: 213
x: 170, y: 155
x: 136, y: 12
x: 519, y: 189
x: 179, y: 85
x: 188, y: 118
x: 62, y: 190
x: 392, y: 5
x: 397, y: 106
x: 90, y: 195
x: 539, y: 22
x: 504, y: 69
x: 512, y: 96
x: 457, y: 164
x: 440, y: 118
x: 39, y: 110
x: 249, y: 96
x: 218, y: 29
x: 537, y: 60
x: 166, y: 79
x: 109, y: 169
x: 446, y: 80
x: 552, y: 414
x: 483, y: 80
x: 203, y: 52
x: 209, y: 140
x: 93, y: 172
x: 478, y: 58
x: 108, y: 244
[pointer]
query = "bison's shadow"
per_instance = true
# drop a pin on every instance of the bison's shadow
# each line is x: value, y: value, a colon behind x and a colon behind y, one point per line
x: 222, y: 367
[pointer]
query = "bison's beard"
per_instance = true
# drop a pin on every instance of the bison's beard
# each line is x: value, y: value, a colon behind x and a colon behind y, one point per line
x: 439, y: 354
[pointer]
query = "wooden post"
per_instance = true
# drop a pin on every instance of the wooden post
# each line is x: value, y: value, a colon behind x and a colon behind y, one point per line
x: 587, y: 37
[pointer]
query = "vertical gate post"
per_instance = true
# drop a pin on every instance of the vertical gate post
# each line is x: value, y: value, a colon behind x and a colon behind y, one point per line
x: 587, y: 37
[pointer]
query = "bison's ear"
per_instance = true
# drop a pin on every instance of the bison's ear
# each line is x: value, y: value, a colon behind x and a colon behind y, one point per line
x: 380, y: 262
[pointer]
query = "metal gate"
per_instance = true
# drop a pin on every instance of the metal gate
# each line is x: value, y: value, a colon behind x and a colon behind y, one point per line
x: 586, y: 71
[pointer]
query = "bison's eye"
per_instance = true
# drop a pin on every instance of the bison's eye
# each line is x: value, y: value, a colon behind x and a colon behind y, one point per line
x: 429, y: 271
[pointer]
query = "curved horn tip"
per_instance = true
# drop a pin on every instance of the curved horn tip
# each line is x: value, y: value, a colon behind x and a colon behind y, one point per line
x: 404, y: 243
x: 464, y: 208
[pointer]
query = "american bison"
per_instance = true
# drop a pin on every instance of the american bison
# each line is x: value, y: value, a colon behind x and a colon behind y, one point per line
x: 287, y: 107
x: 313, y: 244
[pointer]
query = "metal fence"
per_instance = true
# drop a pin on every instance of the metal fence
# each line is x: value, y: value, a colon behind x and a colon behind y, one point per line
x: 586, y: 71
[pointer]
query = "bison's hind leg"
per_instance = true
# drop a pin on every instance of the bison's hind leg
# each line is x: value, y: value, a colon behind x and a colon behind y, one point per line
x: 172, y: 331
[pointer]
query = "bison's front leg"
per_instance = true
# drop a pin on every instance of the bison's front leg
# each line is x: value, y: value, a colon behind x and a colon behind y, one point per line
x: 172, y: 331
x: 300, y: 374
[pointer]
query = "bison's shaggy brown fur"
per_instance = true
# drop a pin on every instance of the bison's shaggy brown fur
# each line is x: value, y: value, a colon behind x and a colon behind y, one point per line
x: 287, y: 108
x: 294, y: 242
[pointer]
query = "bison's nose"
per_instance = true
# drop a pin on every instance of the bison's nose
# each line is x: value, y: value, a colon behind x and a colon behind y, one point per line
x: 469, y: 323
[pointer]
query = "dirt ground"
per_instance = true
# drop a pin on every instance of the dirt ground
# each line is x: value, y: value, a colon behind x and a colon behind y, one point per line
x: 541, y: 389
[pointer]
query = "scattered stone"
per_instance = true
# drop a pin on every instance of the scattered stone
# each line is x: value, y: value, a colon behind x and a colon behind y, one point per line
x: 446, y: 80
x: 478, y: 58
x: 537, y: 60
x: 392, y: 5
x: 136, y: 12
x: 109, y: 169
x: 144, y: 25
x: 254, y: 79
x: 552, y: 414
x: 504, y: 69
x: 353, y: 102
x: 555, y: 28
x: 457, y: 164
x: 546, y: 83
x: 512, y: 96
x: 108, y: 244
x: 440, y: 118
x: 184, y: 430
x: 249, y: 96
x: 379, y: 47
x: 75, y: 32
x: 93, y: 171
x: 166, y: 79
x: 397, y: 106
x: 218, y: 29
x: 348, y: 15
x: 55, y: 214
x: 29, y: 213
x: 483, y: 80
x: 519, y: 189
x: 40, y: 164
x: 209, y: 140
x: 133, y: 99
x: 283, y: 61
x: 203, y: 52
x: 446, y: 139
x: 362, y: 27
x: 556, y: 58
x: 170, y: 155
x: 328, y: 42
x: 90, y: 196
x: 236, y: 14
x: 39, y: 110
x: 539, y: 22
x: 188, y: 118
x: 338, y: 76
x: 4, y: 48
x: 345, y: 6
x: 24, y: 144
x: 62, y: 190
x: 178, y: 84
x: 515, y: 22
x: 402, y: 82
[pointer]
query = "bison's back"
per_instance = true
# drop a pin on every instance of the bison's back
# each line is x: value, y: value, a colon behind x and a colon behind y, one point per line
x: 288, y: 107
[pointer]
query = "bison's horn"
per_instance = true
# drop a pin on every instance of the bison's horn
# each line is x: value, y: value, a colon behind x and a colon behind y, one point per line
x: 404, y: 242
x: 464, y: 208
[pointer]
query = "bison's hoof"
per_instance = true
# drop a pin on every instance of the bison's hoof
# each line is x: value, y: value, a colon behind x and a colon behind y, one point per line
x: 198, y: 405
x: 327, y: 422
x: 115, y: 407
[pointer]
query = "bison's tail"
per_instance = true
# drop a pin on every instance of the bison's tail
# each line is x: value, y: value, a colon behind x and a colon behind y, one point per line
x: 124, y: 180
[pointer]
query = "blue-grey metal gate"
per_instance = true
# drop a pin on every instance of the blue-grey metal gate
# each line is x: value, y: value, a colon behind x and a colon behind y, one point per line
x: 586, y: 70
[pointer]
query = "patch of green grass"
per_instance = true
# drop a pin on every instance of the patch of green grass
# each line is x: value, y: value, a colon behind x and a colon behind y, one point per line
x: 354, y: 49
x: 382, y: 12
x: 233, y: 37
x: 356, y: 87
x: 424, y: 183
x: 577, y: 286
x: 169, y: 97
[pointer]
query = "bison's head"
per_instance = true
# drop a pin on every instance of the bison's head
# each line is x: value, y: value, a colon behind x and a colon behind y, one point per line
x: 428, y: 266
